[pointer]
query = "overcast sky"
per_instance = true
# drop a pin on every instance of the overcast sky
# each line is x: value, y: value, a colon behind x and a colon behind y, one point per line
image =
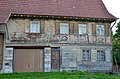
x: 113, y: 7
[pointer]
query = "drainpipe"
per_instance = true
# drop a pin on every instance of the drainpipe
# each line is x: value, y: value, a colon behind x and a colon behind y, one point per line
x: 113, y: 24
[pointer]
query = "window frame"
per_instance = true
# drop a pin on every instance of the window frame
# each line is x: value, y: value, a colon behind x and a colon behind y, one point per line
x: 101, y: 55
x: 86, y: 56
x: 82, y: 25
x: 36, y: 27
x: 101, y: 28
x: 63, y: 31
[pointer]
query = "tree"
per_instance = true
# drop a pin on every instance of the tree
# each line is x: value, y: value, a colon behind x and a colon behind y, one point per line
x: 116, y: 46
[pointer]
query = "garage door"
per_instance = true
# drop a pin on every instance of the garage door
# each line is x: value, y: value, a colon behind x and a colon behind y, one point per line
x: 28, y: 60
x: 1, y: 50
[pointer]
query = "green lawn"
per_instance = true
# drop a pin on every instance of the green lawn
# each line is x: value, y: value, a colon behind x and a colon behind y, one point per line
x: 58, y: 75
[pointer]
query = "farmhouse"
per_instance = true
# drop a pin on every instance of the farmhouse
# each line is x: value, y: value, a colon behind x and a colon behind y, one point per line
x: 55, y: 35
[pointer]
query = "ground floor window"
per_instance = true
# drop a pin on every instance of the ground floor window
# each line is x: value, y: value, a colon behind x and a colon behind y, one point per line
x: 100, y: 55
x: 86, y: 55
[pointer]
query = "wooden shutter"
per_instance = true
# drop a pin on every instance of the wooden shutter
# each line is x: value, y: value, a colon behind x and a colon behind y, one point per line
x: 93, y: 29
x: 76, y: 28
x: 42, y: 26
x: 71, y: 28
x: 107, y: 30
x: 57, y: 28
x: 27, y: 25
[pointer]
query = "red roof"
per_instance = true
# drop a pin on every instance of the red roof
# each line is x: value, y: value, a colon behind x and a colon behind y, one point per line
x: 77, y: 8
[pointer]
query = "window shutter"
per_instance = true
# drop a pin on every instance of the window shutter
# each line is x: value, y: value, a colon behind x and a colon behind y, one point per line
x: 71, y: 28
x: 42, y: 26
x: 27, y: 25
x: 57, y: 28
x: 93, y: 29
x: 107, y: 29
x: 75, y: 28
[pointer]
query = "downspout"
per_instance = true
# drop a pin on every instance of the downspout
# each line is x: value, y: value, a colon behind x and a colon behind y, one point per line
x: 113, y: 24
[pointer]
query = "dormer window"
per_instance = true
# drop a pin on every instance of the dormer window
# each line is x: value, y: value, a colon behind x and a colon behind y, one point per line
x: 35, y: 26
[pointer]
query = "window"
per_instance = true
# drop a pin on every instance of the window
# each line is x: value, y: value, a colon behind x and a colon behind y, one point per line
x: 64, y: 28
x: 100, y: 29
x: 86, y: 55
x: 82, y: 28
x: 101, y: 55
x: 35, y: 27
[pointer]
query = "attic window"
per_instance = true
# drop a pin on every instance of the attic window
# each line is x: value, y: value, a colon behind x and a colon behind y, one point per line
x: 35, y: 26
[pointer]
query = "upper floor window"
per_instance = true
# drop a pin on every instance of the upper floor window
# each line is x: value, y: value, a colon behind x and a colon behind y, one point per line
x: 64, y: 28
x: 86, y: 55
x: 100, y: 30
x: 35, y: 27
x: 101, y: 55
x: 82, y: 28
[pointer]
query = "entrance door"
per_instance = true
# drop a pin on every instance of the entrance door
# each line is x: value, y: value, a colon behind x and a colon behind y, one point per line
x: 28, y: 60
x: 1, y: 50
x: 55, y: 59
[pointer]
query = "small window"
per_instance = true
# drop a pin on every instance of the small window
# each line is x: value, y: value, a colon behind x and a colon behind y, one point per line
x: 64, y: 28
x: 101, y: 55
x: 82, y: 28
x: 35, y: 27
x: 86, y: 55
x: 100, y: 29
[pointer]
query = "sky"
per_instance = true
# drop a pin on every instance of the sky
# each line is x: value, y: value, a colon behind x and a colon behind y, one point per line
x: 113, y: 6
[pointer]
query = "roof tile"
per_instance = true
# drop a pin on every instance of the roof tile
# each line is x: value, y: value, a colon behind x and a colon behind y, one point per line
x: 78, y: 8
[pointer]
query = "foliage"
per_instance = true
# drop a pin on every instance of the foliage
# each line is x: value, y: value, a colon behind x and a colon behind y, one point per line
x: 58, y: 75
x: 116, y: 45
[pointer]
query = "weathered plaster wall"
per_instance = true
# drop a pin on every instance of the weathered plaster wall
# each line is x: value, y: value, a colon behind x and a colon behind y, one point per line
x: 72, y: 58
x: 19, y: 31
x: 70, y: 49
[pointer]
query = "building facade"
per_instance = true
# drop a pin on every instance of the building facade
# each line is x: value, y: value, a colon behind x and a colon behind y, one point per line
x: 55, y: 36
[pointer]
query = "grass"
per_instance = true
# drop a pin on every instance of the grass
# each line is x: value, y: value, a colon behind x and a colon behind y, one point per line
x: 58, y: 75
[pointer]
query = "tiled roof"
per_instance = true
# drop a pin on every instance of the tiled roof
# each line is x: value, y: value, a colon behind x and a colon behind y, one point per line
x: 77, y: 8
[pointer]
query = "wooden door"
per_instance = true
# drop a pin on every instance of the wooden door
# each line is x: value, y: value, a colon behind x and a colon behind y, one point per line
x: 1, y: 50
x: 55, y: 59
x: 28, y: 60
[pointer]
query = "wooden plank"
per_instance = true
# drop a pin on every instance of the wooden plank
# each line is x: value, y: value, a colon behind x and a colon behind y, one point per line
x: 76, y: 28
x: 57, y: 28
x: 1, y: 50
x: 94, y: 29
x: 42, y: 26
x: 107, y: 30
x: 71, y: 28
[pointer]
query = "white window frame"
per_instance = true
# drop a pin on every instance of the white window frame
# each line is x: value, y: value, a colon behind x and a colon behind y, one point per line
x: 86, y: 55
x: 82, y: 28
x: 100, y: 55
x: 64, y: 28
x: 100, y: 30
x: 35, y: 27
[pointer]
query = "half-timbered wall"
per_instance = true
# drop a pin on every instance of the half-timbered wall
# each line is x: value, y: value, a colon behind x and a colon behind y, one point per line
x: 50, y: 32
